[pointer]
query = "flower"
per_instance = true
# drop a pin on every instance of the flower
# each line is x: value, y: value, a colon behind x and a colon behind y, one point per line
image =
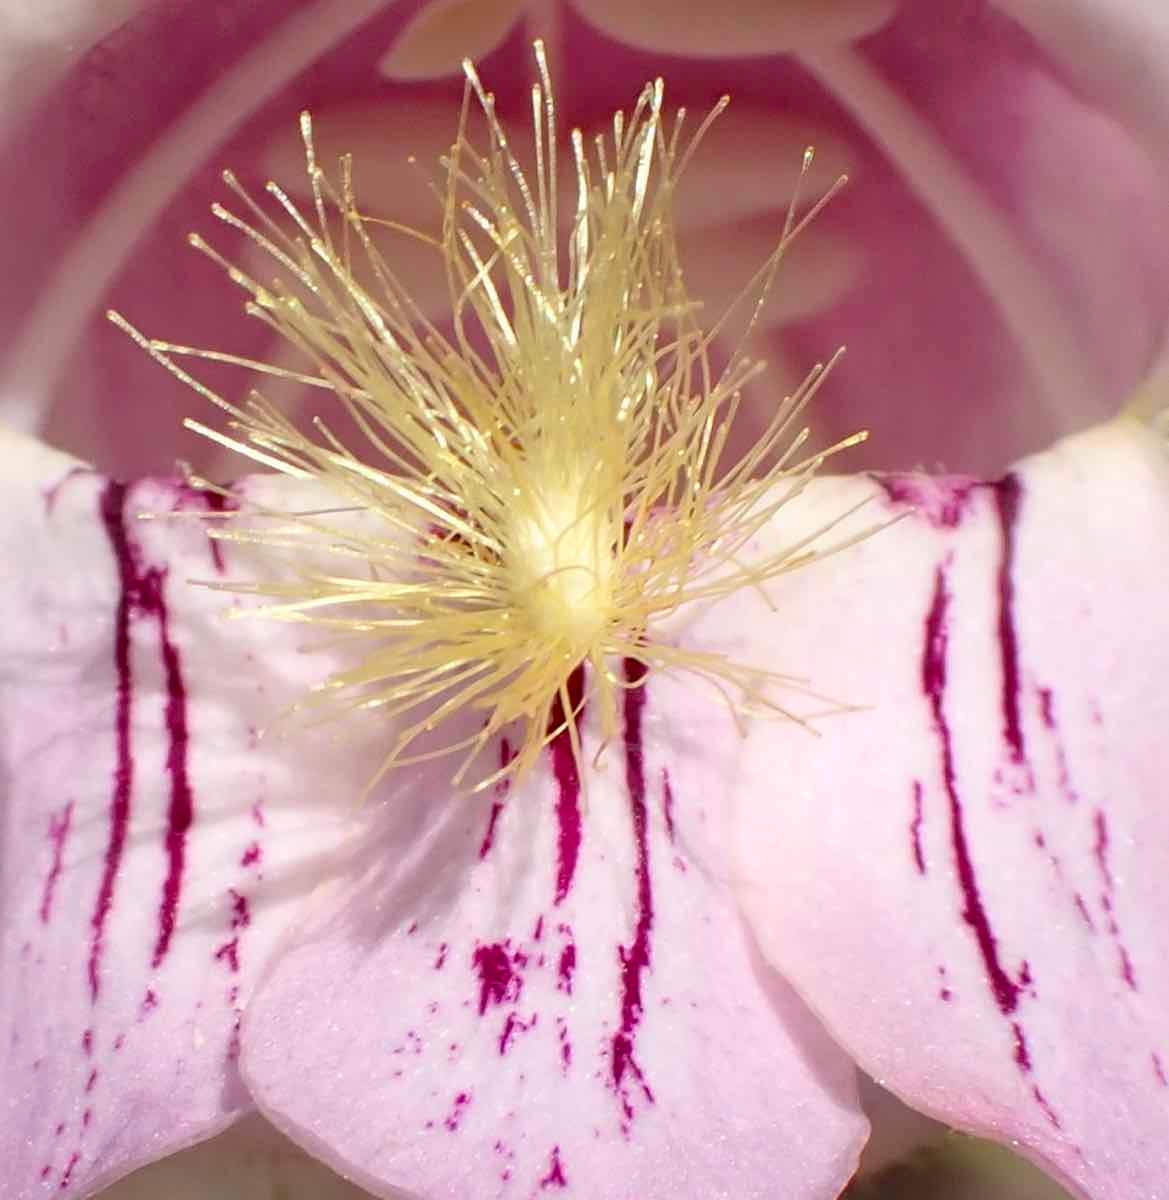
x: 992, y: 766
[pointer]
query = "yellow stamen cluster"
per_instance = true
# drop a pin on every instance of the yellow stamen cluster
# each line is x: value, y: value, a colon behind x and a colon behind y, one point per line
x: 543, y: 482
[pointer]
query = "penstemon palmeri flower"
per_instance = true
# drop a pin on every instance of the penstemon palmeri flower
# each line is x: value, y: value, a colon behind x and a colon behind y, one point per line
x: 976, y: 691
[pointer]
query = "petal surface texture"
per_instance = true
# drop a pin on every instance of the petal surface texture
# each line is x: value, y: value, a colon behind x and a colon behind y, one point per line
x: 1116, y: 53
x: 150, y: 851
x: 438, y: 39
x: 549, y: 989
x: 736, y: 28
x: 967, y: 881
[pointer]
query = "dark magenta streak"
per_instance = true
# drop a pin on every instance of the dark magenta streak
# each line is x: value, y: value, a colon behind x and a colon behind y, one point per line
x: 513, y: 1025
x: 67, y: 1174
x: 1048, y: 1111
x: 1100, y: 849
x: 180, y: 811
x: 942, y: 502
x: 489, y: 834
x: 113, y: 503
x: 141, y: 591
x: 1047, y: 715
x: 566, y: 967
x: 933, y: 676
x: 1159, y: 1070
x: 213, y: 502
x: 241, y: 911
x: 915, y: 828
x: 497, y: 982
x: 567, y: 783
x: 229, y: 953
x: 635, y: 958
x: 668, y: 804
x: 1008, y: 494
x: 456, y: 1113
x: 501, y: 790
x: 555, y: 1176
x: 58, y: 835
x: 217, y: 503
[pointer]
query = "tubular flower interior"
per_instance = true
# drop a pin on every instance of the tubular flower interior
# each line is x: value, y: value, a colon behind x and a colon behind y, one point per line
x: 545, y: 477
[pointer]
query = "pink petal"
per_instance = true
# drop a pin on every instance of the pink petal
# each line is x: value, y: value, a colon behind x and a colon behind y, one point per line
x: 445, y: 32
x: 40, y: 42
x: 383, y: 139
x: 734, y: 28
x: 546, y: 990
x: 1117, y: 53
x: 942, y: 366
x: 818, y: 270
x: 747, y: 166
x: 1006, y: 311
x: 150, y: 853
x: 966, y: 880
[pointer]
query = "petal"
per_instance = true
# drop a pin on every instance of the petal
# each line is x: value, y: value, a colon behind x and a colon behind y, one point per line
x: 735, y: 28
x: 749, y: 165
x: 978, y: 329
x: 966, y: 879
x: 40, y: 42
x: 939, y: 372
x: 1116, y: 52
x: 150, y: 851
x: 444, y: 33
x: 818, y: 269
x: 553, y: 990
x: 395, y: 149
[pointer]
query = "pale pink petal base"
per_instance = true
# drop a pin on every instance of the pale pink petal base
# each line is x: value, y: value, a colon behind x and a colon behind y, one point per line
x: 150, y: 850
x: 543, y: 990
x: 967, y: 881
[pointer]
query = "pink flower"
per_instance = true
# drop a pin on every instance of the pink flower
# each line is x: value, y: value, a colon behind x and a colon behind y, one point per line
x: 664, y: 990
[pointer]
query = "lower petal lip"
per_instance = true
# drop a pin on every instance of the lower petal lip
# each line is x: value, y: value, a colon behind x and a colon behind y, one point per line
x: 1000, y: 832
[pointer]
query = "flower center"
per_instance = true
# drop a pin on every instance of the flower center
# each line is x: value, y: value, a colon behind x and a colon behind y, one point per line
x: 560, y: 548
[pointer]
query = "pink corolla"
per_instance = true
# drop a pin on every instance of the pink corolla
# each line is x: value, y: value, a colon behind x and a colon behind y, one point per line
x: 657, y: 980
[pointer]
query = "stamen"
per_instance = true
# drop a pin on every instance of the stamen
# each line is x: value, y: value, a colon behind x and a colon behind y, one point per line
x: 541, y: 490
